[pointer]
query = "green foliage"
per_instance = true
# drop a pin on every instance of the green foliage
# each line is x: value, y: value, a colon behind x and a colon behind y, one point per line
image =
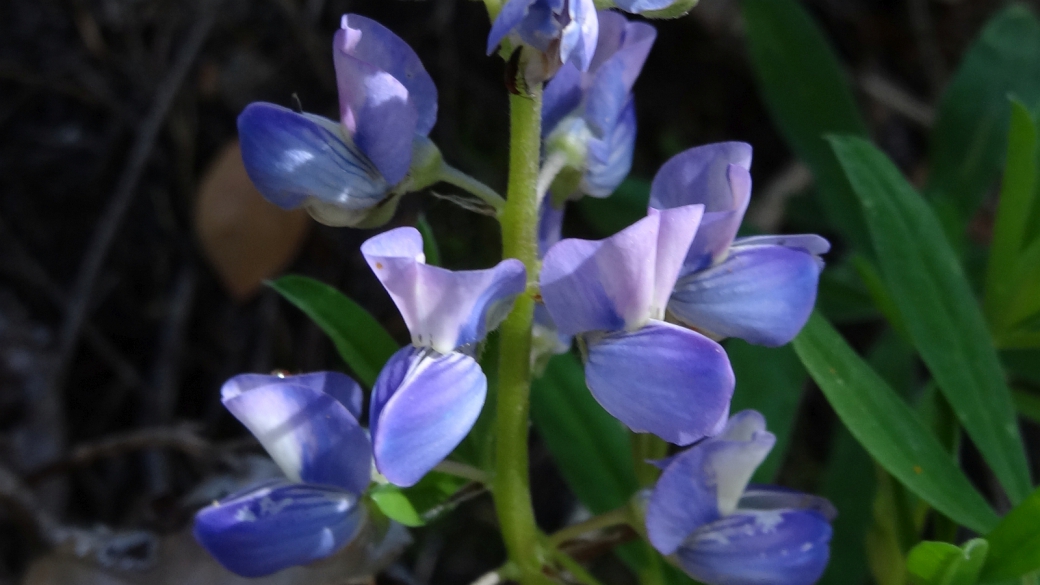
x: 941, y: 563
x: 806, y: 92
x: 430, y: 248
x: 927, y: 284
x: 419, y: 504
x: 360, y: 340
x: 626, y: 206
x: 1015, y: 542
x: 769, y: 380
x: 967, y: 143
x: 887, y: 427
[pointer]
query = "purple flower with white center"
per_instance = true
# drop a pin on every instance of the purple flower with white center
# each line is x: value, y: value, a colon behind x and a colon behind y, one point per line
x: 309, y: 426
x: 653, y: 376
x: 760, y: 289
x: 589, y: 118
x: 563, y: 31
x: 353, y: 172
x: 430, y: 393
x: 723, y: 532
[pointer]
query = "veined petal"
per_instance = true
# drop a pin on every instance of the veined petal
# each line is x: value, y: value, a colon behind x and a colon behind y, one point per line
x: 811, y: 243
x: 508, y: 19
x: 423, y: 405
x: 376, y: 109
x: 610, y: 159
x: 718, y: 228
x: 579, y: 36
x: 373, y: 43
x: 443, y: 309
x: 607, y: 97
x: 624, y: 40
x: 620, y: 282
x: 311, y: 435
x: 662, y: 379
x: 706, y: 481
x: 699, y: 175
x: 762, y: 294
x: 772, y: 497
x: 782, y: 547
x: 292, y: 157
x: 563, y: 95
x: 276, y: 526
x: 337, y: 385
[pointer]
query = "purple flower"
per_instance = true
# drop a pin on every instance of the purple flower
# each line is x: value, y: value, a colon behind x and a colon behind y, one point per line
x: 563, y: 31
x: 723, y: 532
x: 546, y: 340
x: 760, y: 289
x: 653, y: 376
x: 590, y: 117
x: 353, y: 172
x: 657, y: 8
x: 430, y: 393
x: 309, y: 426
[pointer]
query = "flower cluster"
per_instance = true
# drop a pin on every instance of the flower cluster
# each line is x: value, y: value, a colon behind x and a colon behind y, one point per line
x: 647, y: 306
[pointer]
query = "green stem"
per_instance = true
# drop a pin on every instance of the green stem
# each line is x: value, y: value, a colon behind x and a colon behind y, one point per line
x: 519, y: 222
x: 462, y: 470
x: 616, y: 517
x: 575, y: 568
x: 453, y: 176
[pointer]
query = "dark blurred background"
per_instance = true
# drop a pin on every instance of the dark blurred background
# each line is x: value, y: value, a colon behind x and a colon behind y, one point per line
x: 132, y: 247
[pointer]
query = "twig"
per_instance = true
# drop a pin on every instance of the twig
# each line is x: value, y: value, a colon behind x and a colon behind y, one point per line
x: 112, y: 218
x: 768, y: 211
x: 22, y: 504
x: 183, y: 438
x: 897, y: 99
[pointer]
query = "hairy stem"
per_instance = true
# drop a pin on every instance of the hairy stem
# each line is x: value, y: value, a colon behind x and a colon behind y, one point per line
x: 519, y: 240
x: 453, y: 176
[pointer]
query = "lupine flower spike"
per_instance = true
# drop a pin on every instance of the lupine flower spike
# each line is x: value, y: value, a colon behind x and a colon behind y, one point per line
x: 430, y: 393
x: 723, y: 532
x: 559, y: 31
x: 653, y: 376
x: 352, y: 172
x: 309, y: 426
x: 589, y: 118
x: 760, y: 289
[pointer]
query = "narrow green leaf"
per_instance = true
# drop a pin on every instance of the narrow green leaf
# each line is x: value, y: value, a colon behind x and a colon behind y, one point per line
x: 1009, y: 228
x: 1027, y: 404
x: 430, y: 248
x: 395, y: 504
x: 887, y: 427
x: 590, y: 447
x: 419, y: 504
x: 1022, y: 307
x: 941, y: 563
x: 360, y: 340
x: 1015, y: 542
x: 939, y: 310
x: 785, y: 45
x: 967, y: 143
x: 771, y: 381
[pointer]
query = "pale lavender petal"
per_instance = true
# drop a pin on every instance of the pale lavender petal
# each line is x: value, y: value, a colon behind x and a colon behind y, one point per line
x: 376, y: 109
x: 771, y: 497
x: 762, y: 294
x: 373, y: 43
x: 619, y: 282
x: 662, y: 379
x: 563, y: 95
x: 699, y: 175
x: 293, y: 157
x: 579, y: 36
x: 610, y: 159
x: 639, y: 6
x: 606, y: 98
x: 508, y: 19
x: 443, y: 309
x: 611, y: 85
x: 278, y: 525
x: 310, y: 434
x: 811, y: 243
x: 706, y: 481
x: 718, y: 228
x: 782, y: 547
x: 423, y: 405
x: 340, y: 386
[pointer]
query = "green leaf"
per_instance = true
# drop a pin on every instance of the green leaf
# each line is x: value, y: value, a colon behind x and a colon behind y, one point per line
x: 1015, y: 542
x: 887, y: 427
x: 941, y: 563
x: 850, y: 485
x: 590, y: 447
x: 1009, y: 228
x: 771, y: 381
x: 939, y: 310
x: 360, y: 340
x: 967, y: 143
x: 786, y: 45
x: 430, y: 248
x: 1027, y: 404
x: 419, y: 504
x: 612, y: 214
